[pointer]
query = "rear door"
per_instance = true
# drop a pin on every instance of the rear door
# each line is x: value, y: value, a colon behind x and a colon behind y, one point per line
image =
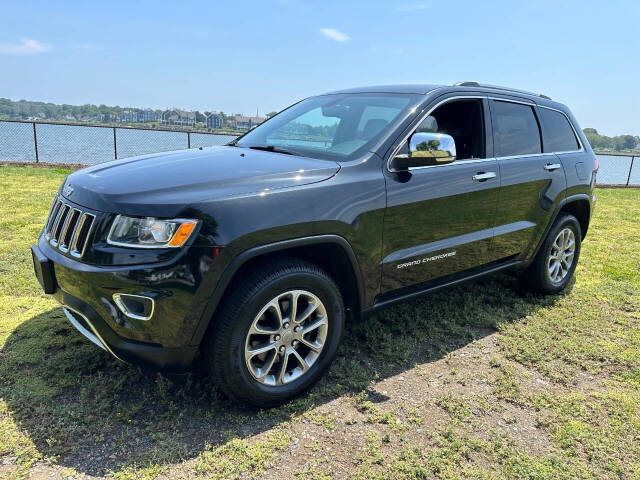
x: 439, y: 219
x: 531, y: 181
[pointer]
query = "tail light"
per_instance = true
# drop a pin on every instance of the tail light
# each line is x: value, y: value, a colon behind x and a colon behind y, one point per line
x: 596, y: 165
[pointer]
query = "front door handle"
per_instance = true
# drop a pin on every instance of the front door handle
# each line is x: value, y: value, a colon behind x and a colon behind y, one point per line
x: 483, y: 176
x: 550, y: 167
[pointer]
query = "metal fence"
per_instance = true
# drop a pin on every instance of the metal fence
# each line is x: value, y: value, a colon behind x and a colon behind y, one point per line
x: 617, y: 169
x: 88, y: 144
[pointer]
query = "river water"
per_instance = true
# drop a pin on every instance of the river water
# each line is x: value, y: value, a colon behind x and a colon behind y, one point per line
x: 90, y: 145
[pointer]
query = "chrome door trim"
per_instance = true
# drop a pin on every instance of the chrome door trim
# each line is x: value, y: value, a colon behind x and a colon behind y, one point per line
x: 479, y: 177
x: 550, y: 167
x: 456, y: 162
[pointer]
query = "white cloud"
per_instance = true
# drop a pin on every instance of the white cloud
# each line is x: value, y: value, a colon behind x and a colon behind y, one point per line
x: 26, y: 46
x: 334, y: 34
x: 413, y: 7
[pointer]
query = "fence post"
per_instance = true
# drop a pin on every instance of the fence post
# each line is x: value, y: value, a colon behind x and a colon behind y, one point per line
x: 35, y: 141
x: 630, y: 168
x: 115, y: 148
x: 188, y: 139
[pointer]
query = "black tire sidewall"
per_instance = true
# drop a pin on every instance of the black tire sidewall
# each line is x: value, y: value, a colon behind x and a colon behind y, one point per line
x: 541, y: 262
x: 241, y: 379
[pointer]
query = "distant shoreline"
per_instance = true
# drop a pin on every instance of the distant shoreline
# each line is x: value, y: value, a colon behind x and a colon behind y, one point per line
x: 131, y: 125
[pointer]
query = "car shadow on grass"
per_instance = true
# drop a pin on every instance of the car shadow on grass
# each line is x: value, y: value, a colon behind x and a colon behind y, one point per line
x: 95, y: 414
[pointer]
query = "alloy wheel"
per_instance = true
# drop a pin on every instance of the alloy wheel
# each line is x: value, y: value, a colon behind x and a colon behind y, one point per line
x: 286, y: 337
x: 561, y: 256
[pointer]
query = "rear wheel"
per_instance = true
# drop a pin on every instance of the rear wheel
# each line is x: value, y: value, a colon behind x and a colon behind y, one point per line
x: 557, y: 258
x: 276, y: 333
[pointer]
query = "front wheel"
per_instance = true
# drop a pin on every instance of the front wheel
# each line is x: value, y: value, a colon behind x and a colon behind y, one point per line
x: 276, y: 334
x: 557, y: 258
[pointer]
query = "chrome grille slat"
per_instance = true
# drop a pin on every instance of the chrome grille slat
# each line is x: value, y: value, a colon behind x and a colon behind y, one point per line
x: 68, y: 228
x: 73, y: 244
x: 70, y: 223
x: 62, y: 211
x: 54, y: 206
x: 84, y: 240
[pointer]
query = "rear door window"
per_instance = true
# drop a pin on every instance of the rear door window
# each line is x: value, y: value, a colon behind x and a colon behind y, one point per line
x: 515, y: 129
x: 557, y: 133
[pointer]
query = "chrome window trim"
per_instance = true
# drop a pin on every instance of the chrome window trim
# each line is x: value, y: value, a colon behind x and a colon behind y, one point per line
x: 123, y: 308
x: 541, y: 134
x: 526, y: 155
x: 394, y: 152
x: 488, y: 97
x: 455, y: 162
x: 523, y: 102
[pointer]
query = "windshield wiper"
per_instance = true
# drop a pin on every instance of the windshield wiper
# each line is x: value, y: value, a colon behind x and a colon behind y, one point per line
x: 272, y: 148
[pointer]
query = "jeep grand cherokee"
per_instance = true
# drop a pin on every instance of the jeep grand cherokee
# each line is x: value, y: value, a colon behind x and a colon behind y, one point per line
x: 254, y: 254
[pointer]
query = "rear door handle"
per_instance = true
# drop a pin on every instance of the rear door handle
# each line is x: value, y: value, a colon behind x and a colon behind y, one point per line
x: 552, y: 166
x: 482, y: 176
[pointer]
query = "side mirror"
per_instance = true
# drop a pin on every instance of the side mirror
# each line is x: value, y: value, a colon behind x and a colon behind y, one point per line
x: 426, y: 149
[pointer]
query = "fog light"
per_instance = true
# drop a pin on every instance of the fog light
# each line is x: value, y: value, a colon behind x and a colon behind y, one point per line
x: 137, y: 307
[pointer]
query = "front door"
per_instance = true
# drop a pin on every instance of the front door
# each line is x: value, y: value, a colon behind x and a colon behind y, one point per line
x: 439, y: 219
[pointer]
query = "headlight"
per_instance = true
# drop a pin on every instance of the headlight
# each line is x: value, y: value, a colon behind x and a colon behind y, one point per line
x: 150, y: 232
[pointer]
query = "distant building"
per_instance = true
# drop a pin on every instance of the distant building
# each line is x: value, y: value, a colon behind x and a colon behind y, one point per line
x: 148, y: 115
x: 214, y: 120
x: 128, y: 116
x: 247, y: 123
x: 179, y: 117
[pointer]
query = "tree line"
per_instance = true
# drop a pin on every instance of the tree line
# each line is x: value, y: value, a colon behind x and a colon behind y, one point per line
x: 619, y: 143
x: 30, y: 110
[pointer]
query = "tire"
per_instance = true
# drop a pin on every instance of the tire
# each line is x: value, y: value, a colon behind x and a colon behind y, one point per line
x: 538, y: 276
x: 251, y: 309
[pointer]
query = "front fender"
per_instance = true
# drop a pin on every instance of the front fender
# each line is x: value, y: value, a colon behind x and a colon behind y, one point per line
x: 242, y: 258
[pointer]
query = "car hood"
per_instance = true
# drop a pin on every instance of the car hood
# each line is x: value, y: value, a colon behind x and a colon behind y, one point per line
x: 162, y: 184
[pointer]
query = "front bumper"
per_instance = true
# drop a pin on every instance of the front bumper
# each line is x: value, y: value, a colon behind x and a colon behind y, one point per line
x: 86, y: 294
x: 171, y: 360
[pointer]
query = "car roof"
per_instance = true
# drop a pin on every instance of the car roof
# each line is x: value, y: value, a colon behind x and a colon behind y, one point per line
x: 420, y: 89
x: 423, y: 89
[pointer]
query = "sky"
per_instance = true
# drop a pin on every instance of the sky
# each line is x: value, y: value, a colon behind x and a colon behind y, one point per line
x: 243, y: 57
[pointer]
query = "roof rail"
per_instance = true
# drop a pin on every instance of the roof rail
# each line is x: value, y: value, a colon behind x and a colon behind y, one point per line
x: 476, y: 84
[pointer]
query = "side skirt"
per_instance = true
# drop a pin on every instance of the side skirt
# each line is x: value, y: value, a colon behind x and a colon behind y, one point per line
x: 382, y: 304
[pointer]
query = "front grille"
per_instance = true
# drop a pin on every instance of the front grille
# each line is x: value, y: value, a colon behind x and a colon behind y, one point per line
x: 68, y: 228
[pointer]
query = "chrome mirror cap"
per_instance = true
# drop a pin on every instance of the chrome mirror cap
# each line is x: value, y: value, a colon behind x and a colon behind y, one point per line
x: 427, y: 149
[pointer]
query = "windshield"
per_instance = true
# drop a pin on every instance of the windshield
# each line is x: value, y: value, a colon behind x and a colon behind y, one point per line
x: 336, y: 127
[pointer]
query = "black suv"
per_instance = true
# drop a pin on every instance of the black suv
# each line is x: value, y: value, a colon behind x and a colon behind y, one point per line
x: 255, y: 253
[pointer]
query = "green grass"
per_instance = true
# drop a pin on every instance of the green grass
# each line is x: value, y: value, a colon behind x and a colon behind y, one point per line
x: 475, y: 382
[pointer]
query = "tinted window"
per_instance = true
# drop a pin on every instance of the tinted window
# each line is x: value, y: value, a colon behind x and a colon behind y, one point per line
x: 515, y: 129
x: 557, y: 133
